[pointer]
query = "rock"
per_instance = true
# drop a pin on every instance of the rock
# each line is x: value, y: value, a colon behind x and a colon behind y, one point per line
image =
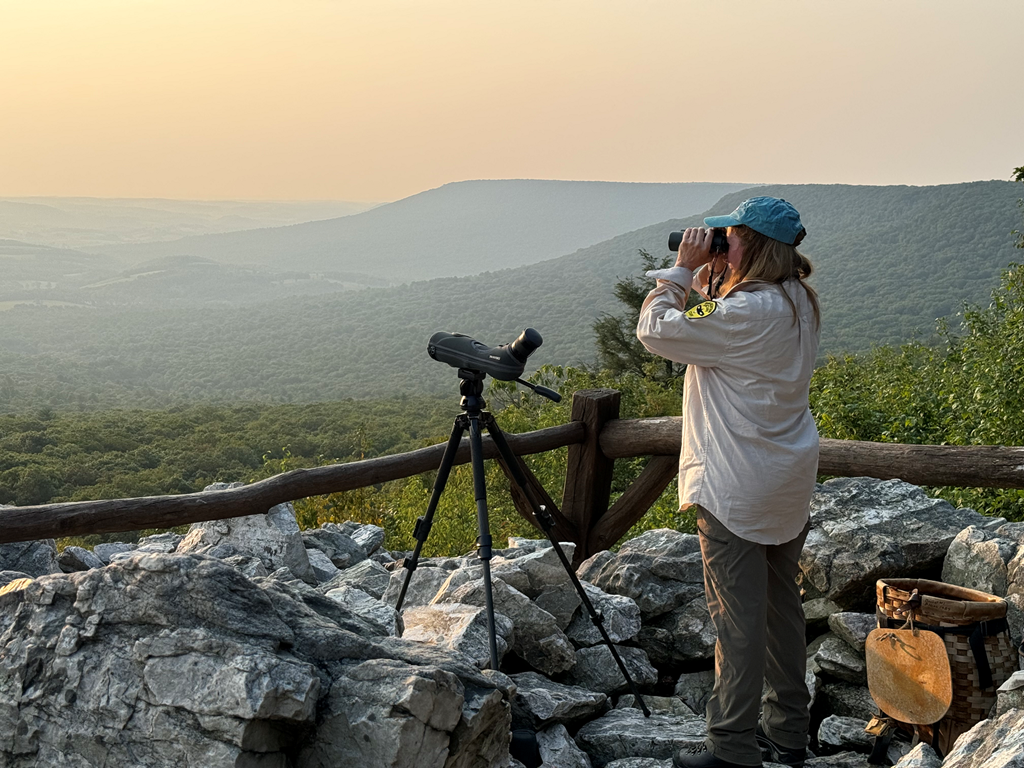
x: 341, y: 549
x: 7, y: 577
x: 561, y: 601
x: 848, y: 700
x: 695, y: 689
x: 542, y: 566
x: 816, y: 614
x: 843, y: 734
x: 557, y: 748
x: 108, y: 549
x: 684, y: 635
x: 853, y: 628
x: 459, y: 627
x: 77, y: 559
x: 838, y: 660
x: 659, y: 705
x: 423, y: 586
x: 863, y: 530
x: 540, y: 702
x: 626, y: 733
x: 921, y: 756
x: 997, y: 741
x: 369, y: 537
x: 640, y: 762
x: 249, y: 565
x: 508, y: 571
x: 538, y: 640
x: 620, y: 617
x: 840, y: 760
x: 169, y: 660
x: 160, y: 543
x: 1010, y: 694
x: 274, y: 538
x: 375, y: 612
x: 369, y: 576
x: 596, y: 669
x: 660, y: 569
x: 36, y: 558
x: 323, y: 568
x: 992, y: 562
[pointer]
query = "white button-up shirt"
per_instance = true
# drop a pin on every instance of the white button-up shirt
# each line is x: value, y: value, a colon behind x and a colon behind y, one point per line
x: 750, y: 446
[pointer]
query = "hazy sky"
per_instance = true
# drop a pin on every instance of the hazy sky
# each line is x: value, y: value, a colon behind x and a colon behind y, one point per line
x: 379, y: 99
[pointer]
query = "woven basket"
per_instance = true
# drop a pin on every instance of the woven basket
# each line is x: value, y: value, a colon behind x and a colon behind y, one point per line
x: 945, y: 605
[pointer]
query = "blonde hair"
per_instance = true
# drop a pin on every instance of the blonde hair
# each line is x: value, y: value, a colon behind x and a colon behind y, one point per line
x: 773, y: 261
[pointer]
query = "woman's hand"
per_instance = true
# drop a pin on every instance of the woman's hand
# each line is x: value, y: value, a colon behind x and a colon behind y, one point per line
x: 695, y: 248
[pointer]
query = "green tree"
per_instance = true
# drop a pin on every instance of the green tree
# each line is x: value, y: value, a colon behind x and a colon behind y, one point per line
x: 1018, y: 175
x: 618, y: 349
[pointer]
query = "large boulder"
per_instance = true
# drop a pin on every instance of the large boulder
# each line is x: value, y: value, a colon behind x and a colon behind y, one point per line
x: 864, y: 529
x: 274, y: 538
x: 35, y: 558
x: 540, y: 702
x: 168, y: 660
x: 998, y: 741
x: 660, y: 570
x: 626, y: 733
x: 993, y: 562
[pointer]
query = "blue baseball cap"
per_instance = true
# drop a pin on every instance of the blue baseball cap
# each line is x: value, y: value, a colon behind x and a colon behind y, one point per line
x: 770, y: 216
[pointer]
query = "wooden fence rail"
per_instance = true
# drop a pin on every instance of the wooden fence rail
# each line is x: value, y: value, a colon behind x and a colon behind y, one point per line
x: 595, y: 437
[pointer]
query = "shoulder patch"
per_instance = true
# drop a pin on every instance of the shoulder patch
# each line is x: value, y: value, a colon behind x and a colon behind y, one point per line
x: 703, y: 309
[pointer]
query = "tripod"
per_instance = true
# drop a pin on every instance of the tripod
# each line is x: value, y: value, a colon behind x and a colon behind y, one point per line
x: 471, y: 387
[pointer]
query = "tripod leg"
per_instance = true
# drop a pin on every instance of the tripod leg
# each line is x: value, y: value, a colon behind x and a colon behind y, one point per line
x: 548, y: 524
x: 483, y: 542
x: 424, y: 523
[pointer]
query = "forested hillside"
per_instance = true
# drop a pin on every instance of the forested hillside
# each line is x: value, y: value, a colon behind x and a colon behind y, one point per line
x: 889, y: 261
x: 462, y: 228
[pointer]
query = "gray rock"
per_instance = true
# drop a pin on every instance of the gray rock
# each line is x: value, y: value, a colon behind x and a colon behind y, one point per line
x: 340, y: 548
x: 639, y: 762
x: 462, y: 628
x: 684, y: 635
x: 620, y: 618
x: 848, y: 700
x: 627, y: 734
x: 839, y: 760
x: 659, y: 705
x: 865, y: 529
x: 992, y: 562
x: 596, y: 669
x: 108, y: 549
x: 558, y: 748
x: 369, y: 537
x: 998, y: 741
x: 374, y: 611
x: 561, y: 601
x: 160, y: 543
x: 659, y: 569
x: 481, y: 738
x: 540, y: 702
x: 323, y: 568
x: 274, y: 538
x: 508, y: 571
x: 838, y: 660
x: 36, y: 558
x: 695, y: 689
x: 77, y: 559
x: 423, y: 586
x: 1010, y: 694
x: 6, y: 577
x: 543, y: 567
x: 853, y: 628
x: 249, y: 565
x: 369, y: 576
x: 538, y: 640
x: 816, y: 614
x: 843, y: 734
x: 921, y: 756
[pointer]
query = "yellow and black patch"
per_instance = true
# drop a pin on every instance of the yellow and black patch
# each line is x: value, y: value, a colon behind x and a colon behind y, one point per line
x: 703, y: 309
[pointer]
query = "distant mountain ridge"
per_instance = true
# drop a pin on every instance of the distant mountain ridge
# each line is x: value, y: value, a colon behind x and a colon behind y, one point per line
x: 889, y: 260
x: 459, y: 229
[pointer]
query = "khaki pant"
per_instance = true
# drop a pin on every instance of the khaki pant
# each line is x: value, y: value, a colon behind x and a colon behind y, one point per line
x: 756, y: 608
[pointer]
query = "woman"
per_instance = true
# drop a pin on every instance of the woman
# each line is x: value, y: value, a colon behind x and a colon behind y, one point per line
x: 748, y: 464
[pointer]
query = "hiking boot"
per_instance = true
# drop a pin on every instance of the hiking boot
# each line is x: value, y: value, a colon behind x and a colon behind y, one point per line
x: 776, y: 753
x: 700, y: 757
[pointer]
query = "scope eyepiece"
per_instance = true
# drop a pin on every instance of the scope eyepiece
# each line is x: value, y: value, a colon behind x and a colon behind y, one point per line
x: 525, y: 345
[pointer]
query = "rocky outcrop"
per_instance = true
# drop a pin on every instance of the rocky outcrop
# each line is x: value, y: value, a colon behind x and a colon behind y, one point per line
x: 248, y: 643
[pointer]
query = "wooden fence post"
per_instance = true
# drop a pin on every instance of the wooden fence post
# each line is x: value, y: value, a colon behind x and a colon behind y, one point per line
x: 588, y: 472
